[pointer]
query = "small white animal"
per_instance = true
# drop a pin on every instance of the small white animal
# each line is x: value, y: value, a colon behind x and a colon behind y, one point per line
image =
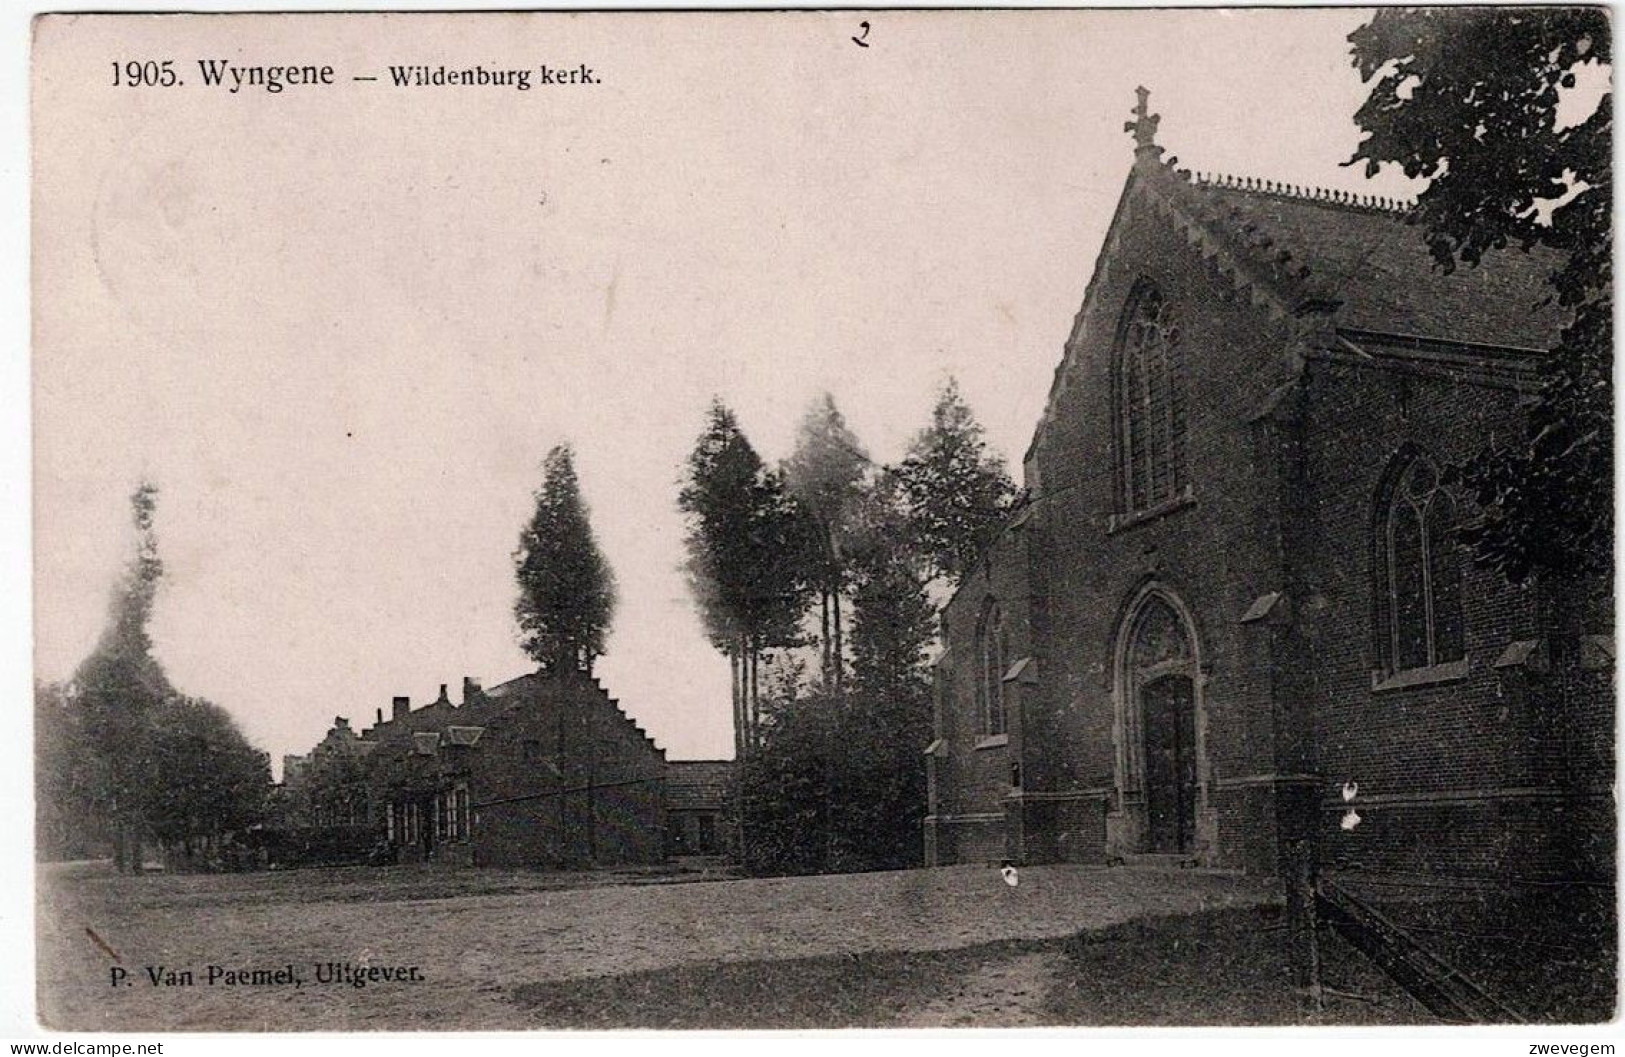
x: 1350, y: 790
x: 1008, y: 872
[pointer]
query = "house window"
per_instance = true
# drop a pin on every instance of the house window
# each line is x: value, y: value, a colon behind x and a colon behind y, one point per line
x: 1150, y: 405
x: 992, y: 652
x: 460, y: 824
x: 1418, y: 589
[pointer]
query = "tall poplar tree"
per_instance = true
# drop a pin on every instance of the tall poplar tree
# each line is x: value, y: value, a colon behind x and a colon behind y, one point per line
x: 119, y: 686
x: 566, y: 589
x: 746, y: 537
x: 826, y: 474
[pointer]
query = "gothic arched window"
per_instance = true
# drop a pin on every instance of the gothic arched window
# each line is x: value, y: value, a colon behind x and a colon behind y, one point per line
x: 1150, y: 404
x: 1418, y: 570
x: 992, y: 651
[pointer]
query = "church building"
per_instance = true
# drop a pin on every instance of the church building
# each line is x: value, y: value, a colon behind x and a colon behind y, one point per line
x: 1231, y: 613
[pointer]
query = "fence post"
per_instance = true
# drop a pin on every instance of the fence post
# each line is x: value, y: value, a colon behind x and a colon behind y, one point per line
x: 1303, y: 922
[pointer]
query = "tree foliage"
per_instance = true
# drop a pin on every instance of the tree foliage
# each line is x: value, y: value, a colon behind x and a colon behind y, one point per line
x: 1477, y: 101
x: 747, y: 540
x: 894, y: 623
x: 213, y: 781
x: 120, y: 684
x: 826, y: 475
x: 121, y: 756
x: 838, y: 783
x: 566, y: 589
x: 956, y: 491
x: 831, y: 776
x: 70, y: 779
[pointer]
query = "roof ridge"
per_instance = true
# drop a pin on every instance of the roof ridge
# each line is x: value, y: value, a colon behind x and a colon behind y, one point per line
x: 1325, y: 196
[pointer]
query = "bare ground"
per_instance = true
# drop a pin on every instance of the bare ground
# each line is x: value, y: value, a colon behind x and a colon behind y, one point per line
x: 1009, y: 993
x: 479, y: 936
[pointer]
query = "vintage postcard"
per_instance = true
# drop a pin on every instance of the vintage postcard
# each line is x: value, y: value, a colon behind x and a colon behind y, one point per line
x: 823, y: 519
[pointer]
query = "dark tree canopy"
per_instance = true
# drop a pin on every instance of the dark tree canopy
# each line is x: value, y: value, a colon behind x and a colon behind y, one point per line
x: 122, y: 669
x: 70, y: 778
x: 839, y: 781
x: 122, y: 756
x: 566, y: 588
x: 956, y: 491
x: 213, y: 780
x: 747, y: 538
x: 119, y: 685
x: 1490, y: 105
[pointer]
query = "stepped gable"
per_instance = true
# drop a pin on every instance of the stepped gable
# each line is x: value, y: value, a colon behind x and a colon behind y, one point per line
x: 491, y: 704
x: 637, y: 727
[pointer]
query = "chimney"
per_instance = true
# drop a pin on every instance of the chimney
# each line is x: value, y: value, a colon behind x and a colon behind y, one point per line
x: 471, y: 688
x: 341, y: 723
x: 380, y: 718
x: 401, y: 706
x: 442, y: 699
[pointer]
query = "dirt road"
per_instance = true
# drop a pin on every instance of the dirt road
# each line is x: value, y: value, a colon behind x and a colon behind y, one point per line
x: 473, y: 941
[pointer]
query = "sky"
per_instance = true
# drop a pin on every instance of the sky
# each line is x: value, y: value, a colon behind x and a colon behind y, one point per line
x: 340, y: 327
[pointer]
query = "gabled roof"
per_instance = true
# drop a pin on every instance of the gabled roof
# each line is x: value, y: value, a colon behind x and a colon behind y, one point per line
x: 1352, y: 267
x: 697, y: 784
x: 1373, y: 261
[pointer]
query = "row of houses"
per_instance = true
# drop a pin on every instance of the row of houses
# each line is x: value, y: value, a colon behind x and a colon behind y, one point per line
x: 544, y: 770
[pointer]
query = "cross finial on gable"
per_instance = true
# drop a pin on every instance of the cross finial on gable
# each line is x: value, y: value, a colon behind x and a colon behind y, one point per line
x: 1144, y: 125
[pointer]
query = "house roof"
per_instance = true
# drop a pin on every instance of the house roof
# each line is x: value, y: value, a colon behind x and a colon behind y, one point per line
x: 697, y: 784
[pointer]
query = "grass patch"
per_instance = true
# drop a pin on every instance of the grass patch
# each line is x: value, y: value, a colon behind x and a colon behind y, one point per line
x: 1552, y: 957
x: 1221, y: 967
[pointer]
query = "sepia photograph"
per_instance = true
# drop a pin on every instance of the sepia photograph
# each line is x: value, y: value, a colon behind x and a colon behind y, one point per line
x: 843, y: 519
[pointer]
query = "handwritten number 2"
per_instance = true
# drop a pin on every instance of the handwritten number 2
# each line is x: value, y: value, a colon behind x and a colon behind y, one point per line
x: 859, y: 41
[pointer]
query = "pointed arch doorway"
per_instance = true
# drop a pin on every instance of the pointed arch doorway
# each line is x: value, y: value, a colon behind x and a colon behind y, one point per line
x: 1160, y: 732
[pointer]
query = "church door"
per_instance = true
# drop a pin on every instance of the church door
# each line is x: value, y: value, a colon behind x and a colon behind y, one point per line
x: 1169, y: 709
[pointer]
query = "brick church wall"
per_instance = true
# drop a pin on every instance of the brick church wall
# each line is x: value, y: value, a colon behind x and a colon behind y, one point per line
x: 1217, y: 554
x: 1286, y: 445
x: 1465, y: 776
x: 976, y: 770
